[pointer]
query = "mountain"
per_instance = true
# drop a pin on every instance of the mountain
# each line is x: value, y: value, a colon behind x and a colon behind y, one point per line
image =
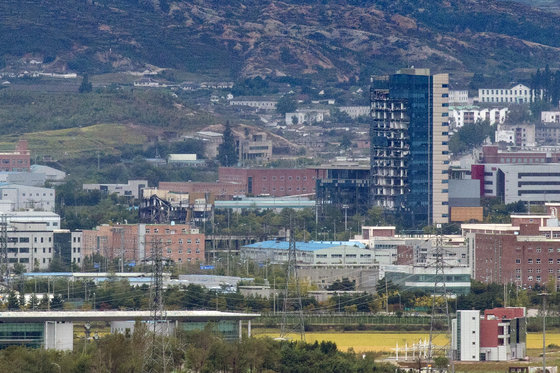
x: 336, y: 40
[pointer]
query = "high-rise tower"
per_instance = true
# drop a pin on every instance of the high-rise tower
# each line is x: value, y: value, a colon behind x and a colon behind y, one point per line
x: 409, y: 144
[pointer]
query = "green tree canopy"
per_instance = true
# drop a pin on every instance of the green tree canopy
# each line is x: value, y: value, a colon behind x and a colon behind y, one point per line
x: 227, y: 152
x: 286, y: 104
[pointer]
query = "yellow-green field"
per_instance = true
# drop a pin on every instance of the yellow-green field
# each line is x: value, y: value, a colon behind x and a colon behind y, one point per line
x: 72, y: 142
x: 386, y: 341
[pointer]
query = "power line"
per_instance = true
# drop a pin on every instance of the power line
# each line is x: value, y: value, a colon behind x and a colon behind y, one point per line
x: 292, y: 277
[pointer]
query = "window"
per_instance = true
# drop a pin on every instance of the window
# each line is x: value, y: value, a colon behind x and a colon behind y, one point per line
x: 530, y: 270
x: 517, y: 261
x: 529, y: 261
x: 538, y: 248
x: 550, y: 261
x: 538, y: 261
x: 538, y: 278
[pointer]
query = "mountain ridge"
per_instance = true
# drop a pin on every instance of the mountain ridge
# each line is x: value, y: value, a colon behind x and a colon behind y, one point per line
x: 333, y: 41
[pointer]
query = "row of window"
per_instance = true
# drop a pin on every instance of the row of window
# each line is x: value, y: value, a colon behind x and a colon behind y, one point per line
x: 180, y: 251
x: 167, y: 231
x: 507, y: 91
x: 347, y: 255
x: 264, y: 178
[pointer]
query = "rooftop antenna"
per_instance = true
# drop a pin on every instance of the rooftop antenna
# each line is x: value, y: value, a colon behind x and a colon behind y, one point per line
x: 440, y: 307
x: 292, y: 300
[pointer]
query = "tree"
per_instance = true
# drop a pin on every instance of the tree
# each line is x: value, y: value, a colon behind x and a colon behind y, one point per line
x: 13, y: 301
x: 227, y: 152
x: 286, y: 104
x: 346, y: 141
x: 86, y: 86
x: 56, y: 302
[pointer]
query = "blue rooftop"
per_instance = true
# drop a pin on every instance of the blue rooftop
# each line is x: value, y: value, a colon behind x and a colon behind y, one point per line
x: 303, y: 246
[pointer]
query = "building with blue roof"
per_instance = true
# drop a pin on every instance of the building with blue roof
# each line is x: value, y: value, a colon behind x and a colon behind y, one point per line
x: 322, y: 262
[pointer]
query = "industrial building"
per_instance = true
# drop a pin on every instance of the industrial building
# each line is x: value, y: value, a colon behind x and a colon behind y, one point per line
x: 55, y: 329
x: 409, y: 144
x: 321, y: 263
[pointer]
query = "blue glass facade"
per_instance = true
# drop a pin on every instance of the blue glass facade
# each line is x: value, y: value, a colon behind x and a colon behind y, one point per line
x: 417, y: 91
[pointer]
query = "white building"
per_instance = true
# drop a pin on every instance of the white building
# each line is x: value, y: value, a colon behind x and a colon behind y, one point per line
x: 22, y: 197
x: 50, y: 219
x: 30, y: 244
x: 550, y: 116
x: 308, y: 116
x: 523, y: 182
x: 256, y: 103
x: 458, y: 97
x: 355, y: 111
x: 517, y: 94
x: 132, y: 189
x: 462, y: 116
x: 465, y: 338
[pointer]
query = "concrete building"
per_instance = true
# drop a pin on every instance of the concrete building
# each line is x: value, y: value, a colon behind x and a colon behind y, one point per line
x: 133, y: 188
x: 22, y: 197
x: 254, y: 149
x: 52, y: 175
x: 219, y: 190
x: 30, y: 244
x: 522, y: 135
x: 458, y: 97
x: 517, y: 94
x: 465, y: 338
x: 211, y: 140
x: 470, y: 115
x: 355, y: 111
x: 306, y: 116
x: 550, y: 117
x: 276, y: 182
x: 184, y: 160
x: 410, y: 134
x: 254, y: 102
x: 321, y: 263
x: 457, y: 279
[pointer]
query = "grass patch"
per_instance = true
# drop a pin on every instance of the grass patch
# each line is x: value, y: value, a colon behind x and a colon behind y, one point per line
x: 74, y: 142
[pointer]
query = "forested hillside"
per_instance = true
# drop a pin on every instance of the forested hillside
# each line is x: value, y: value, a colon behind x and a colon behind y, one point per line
x: 334, y: 40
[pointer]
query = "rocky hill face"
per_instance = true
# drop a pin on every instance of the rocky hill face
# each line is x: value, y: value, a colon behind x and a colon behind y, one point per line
x: 330, y: 40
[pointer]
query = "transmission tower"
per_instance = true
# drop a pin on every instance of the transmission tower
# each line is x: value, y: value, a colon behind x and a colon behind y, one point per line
x: 158, y: 352
x: 440, y: 291
x: 292, y: 299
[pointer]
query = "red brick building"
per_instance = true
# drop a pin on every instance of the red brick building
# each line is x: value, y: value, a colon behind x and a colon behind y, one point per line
x: 18, y: 160
x: 277, y: 182
x: 525, y: 252
x: 179, y: 242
